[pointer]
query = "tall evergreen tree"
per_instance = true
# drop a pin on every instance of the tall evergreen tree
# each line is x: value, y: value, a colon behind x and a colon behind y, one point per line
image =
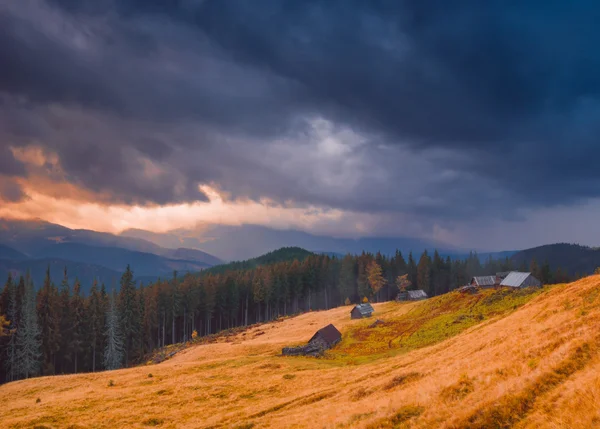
x: 347, y: 284
x: 11, y: 362
x: 48, y: 314
x: 28, y: 334
x: 424, y: 273
x: 129, y: 313
x: 79, y: 336
x: 65, y: 363
x: 114, y: 348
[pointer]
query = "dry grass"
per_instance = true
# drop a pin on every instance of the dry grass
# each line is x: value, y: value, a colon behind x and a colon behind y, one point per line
x: 488, y: 360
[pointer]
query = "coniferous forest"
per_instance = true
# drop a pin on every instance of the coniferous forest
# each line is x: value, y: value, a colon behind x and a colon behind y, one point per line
x: 54, y: 329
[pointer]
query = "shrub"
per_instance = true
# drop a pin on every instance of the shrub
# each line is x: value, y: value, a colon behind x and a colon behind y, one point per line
x: 194, y: 334
x: 597, y: 270
x: 153, y: 421
x: 150, y: 375
x: 289, y: 376
x: 458, y: 390
x: 38, y: 400
x: 402, y: 379
x: 402, y: 415
x: 111, y: 383
x: 360, y: 393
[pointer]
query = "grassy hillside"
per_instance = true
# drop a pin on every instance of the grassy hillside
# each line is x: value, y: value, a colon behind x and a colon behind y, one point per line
x: 526, y: 359
x: 279, y: 255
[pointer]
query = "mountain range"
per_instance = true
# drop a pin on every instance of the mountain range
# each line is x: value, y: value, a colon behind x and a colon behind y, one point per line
x: 88, y: 255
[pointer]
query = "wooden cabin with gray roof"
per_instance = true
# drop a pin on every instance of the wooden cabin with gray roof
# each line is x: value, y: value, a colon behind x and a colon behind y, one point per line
x: 516, y: 279
x: 412, y: 295
x: 361, y: 310
x: 484, y: 281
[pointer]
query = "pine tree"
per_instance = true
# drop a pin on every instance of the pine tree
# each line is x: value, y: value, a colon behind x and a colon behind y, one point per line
x: 424, y: 273
x: 129, y: 312
x: 95, y: 324
x: 66, y: 327
x: 411, y: 269
x: 48, y: 314
x: 78, y: 328
x: 28, y: 335
x: 347, y: 284
x: 113, y: 351
x: 11, y: 362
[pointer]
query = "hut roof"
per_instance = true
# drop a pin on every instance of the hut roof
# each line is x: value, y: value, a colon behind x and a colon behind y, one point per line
x: 484, y: 280
x: 364, y: 309
x: 329, y: 334
x: 515, y: 279
x: 416, y: 294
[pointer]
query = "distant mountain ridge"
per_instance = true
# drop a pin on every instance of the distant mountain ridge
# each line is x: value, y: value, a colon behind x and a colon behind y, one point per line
x: 89, y: 255
x: 242, y: 242
x: 572, y: 258
x: 31, y: 237
x: 279, y: 255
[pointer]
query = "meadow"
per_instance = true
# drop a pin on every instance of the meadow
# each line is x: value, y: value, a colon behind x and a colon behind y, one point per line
x: 523, y: 359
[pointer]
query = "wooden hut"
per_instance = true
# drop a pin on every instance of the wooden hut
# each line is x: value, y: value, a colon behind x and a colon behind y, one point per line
x: 518, y: 279
x: 416, y: 295
x: 362, y: 310
x: 324, y: 339
x: 484, y: 281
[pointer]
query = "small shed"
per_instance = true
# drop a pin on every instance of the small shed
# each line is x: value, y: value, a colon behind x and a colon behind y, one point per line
x: 324, y: 339
x: 416, y: 295
x: 362, y: 310
x: 484, y: 281
x: 518, y: 279
x: 329, y: 336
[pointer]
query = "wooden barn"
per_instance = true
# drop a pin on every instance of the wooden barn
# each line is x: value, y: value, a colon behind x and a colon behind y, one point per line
x: 518, y: 279
x: 324, y: 339
x: 484, y: 281
x: 328, y: 336
x: 412, y: 295
x: 362, y: 310
x: 416, y: 295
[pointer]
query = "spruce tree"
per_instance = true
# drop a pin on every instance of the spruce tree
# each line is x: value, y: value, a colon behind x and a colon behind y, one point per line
x: 28, y: 335
x: 113, y: 351
x: 48, y: 314
x: 66, y: 327
x: 11, y: 362
x: 347, y: 284
x: 129, y: 312
x: 78, y: 336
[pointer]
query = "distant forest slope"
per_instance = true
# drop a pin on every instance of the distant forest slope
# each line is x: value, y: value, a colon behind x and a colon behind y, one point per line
x: 572, y: 258
x: 10, y: 253
x: 279, y: 255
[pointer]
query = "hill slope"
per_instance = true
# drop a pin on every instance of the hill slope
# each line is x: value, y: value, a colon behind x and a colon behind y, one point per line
x: 455, y: 361
x: 10, y: 253
x: 570, y: 257
x: 279, y: 255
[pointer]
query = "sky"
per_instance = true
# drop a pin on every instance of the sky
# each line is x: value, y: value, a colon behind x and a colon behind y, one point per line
x: 468, y: 122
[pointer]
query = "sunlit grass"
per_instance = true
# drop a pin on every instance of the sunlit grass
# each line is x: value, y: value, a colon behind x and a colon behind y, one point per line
x: 495, y: 359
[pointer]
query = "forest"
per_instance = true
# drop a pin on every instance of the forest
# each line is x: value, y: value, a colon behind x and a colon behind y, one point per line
x: 54, y: 329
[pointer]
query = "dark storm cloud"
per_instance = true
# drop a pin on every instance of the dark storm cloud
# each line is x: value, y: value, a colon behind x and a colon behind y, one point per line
x: 509, y: 92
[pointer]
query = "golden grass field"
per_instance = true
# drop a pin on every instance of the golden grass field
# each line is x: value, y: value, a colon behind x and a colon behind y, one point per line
x: 490, y: 360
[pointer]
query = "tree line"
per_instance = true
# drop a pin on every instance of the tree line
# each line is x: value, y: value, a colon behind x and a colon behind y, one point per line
x: 58, y: 330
